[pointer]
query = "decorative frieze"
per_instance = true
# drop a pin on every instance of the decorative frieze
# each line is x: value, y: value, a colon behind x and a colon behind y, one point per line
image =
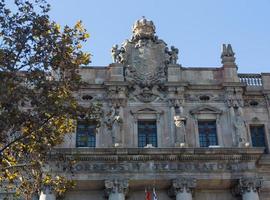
x: 204, y: 97
x: 145, y: 167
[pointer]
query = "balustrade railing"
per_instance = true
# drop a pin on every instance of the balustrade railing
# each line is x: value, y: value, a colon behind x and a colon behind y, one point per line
x: 251, y: 79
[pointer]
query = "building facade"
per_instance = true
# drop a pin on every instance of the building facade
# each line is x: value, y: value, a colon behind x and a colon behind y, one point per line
x: 189, y: 133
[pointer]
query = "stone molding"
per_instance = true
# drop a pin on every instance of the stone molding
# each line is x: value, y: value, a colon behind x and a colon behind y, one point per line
x: 182, y: 184
x: 157, y: 154
x: 248, y: 184
x: 205, y: 109
x: 116, y: 186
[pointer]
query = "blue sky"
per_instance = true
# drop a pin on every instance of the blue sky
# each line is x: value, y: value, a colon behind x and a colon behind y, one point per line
x: 196, y: 27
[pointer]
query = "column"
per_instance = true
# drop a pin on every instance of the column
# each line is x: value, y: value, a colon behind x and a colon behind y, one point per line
x: 182, y: 188
x: 47, y: 193
x: 249, y: 188
x: 116, y: 189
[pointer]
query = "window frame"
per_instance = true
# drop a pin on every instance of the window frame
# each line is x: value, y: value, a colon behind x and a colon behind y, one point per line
x: 92, y: 135
x: 147, y: 135
x: 264, y: 134
x: 206, y: 135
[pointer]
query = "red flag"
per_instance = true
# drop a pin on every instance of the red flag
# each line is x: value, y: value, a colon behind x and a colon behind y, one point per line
x: 147, y: 195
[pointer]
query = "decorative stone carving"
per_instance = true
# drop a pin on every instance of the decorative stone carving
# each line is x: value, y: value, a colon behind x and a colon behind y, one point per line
x: 240, y: 130
x: 116, y: 95
x: 198, y: 97
x: 181, y: 185
x: 248, y: 184
x: 113, y: 122
x: 116, y: 186
x: 146, y: 62
x: 179, y: 121
x: 173, y: 55
x: 227, y: 54
x: 234, y: 97
x: 145, y: 59
x: 147, y: 94
x: 254, y: 102
x: 205, y: 109
x: 117, y: 54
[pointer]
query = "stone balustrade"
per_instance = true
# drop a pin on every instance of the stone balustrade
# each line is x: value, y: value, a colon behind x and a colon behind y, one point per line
x: 251, y: 79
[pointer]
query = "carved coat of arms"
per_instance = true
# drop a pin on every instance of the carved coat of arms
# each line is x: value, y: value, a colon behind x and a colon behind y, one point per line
x: 145, y: 58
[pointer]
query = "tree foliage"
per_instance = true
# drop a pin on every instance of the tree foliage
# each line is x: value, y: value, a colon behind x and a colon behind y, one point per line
x: 39, y: 65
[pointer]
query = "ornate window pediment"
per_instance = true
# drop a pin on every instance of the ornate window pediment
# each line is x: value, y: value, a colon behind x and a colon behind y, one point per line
x: 146, y: 110
x: 206, y: 109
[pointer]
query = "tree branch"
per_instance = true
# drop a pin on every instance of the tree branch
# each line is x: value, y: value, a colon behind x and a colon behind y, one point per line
x: 23, y: 136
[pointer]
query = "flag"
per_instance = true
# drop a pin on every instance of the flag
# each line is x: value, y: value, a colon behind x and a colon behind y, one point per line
x: 147, y: 195
x: 154, y: 194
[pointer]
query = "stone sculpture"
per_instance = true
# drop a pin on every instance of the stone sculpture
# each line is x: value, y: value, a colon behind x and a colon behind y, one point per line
x: 113, y: 122
x: 115, y: 53
x: 240, y: 130
x: 145, y: 59
x: 173, y: 55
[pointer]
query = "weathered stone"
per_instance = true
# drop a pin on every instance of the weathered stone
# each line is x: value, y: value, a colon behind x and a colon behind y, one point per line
x: 146, y: 83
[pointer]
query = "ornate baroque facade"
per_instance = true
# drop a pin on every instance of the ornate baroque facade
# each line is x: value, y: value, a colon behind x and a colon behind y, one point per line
x: 190, y: 133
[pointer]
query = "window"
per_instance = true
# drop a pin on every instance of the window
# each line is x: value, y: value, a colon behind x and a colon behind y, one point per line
x: 257, y: 135
x: 147, y: 133
x: 86, y: 136
x: 207, y: 133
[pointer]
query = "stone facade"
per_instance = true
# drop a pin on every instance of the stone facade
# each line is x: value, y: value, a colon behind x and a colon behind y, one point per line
x: 146, y: 83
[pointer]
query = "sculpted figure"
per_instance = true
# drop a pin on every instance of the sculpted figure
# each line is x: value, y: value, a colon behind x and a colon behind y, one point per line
x: 113, y: 122
x: 116, y: 127
x: 173, y: 55
x: 240, y: 130
x: 180, y: 136
x: 179, y: 121
x: 122, y: 55
x: 108, y: 118
x: 115, y: 54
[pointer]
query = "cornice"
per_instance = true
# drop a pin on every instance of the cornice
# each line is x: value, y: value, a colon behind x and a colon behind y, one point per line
x: 157, y: 154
